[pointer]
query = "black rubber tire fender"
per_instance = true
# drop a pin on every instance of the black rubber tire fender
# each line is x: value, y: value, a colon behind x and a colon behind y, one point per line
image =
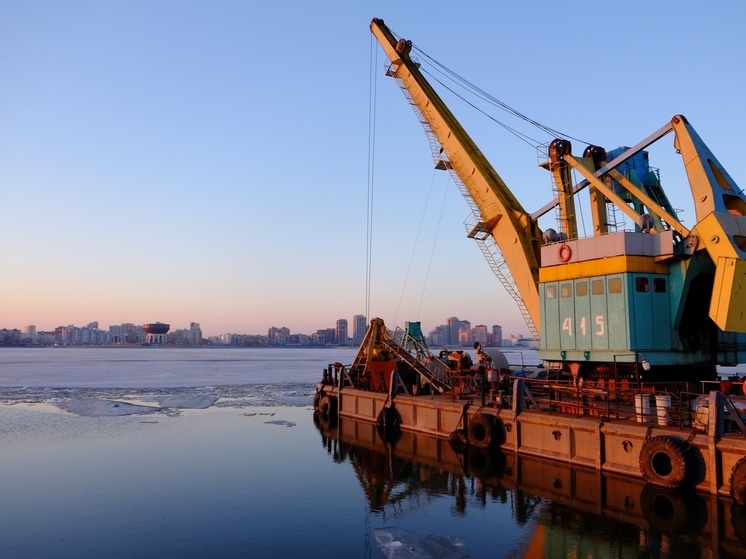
x: 738, y: 482
x: 317, y: 400
x: 482, y: 431
x: 666, y: 462
x: 459, y: 441
x: 328, y: 406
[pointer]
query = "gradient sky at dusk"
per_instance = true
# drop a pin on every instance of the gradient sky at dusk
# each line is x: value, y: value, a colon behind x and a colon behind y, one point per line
x: 209, y: 161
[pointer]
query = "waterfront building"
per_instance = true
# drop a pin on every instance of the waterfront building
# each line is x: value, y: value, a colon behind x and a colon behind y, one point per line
x: 359, y: 328
x: 497, y: 335
x: 341, y: 332
x: 479, y: 334
x: 464, y: 334
x: 278, y: 336
x: 156, y: 333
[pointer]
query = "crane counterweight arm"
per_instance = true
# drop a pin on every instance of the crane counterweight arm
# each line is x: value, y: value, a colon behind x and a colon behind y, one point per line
x: 516, y: 235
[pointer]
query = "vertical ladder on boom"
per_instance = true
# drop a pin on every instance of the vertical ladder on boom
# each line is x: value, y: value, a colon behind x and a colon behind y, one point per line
x: 478, y: 232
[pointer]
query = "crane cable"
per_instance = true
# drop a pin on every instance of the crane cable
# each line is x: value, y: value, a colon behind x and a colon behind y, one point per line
x: 432, y: 251
x: 485, y: 96
x: 414, y: 249
x: 371, y: 167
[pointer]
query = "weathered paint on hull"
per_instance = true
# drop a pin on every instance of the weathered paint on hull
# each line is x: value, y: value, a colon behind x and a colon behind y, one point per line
x: 610, y: 446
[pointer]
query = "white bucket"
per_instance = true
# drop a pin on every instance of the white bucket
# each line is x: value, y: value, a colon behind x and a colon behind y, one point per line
x: 662, y: 403
x: 642, y: 407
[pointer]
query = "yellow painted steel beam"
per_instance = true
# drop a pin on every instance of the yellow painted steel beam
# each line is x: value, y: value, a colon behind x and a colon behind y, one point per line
x: 517, y: 236
x: 608, y: 192
x: 712, y: 188
x: 602, y: 267
x: 728, y: 302
x: 649, y: 203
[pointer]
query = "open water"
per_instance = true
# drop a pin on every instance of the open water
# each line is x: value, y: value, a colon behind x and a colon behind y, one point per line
x: 159, y: 452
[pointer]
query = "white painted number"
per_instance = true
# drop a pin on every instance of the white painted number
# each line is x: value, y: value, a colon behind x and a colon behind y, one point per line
x: 600, y: 324
x: 600, y: 330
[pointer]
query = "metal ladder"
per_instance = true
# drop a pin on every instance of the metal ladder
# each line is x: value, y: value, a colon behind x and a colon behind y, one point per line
x: 474, y: 224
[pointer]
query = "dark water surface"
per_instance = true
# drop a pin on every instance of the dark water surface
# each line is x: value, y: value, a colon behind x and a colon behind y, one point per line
x: 99, y: 459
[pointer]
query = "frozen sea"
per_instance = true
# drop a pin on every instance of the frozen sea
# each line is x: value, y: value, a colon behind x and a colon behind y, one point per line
x: 155, y: 452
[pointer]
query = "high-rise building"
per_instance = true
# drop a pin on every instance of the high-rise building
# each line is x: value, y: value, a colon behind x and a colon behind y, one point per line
x: 454, y: 325
x: 195, y: 333
x: 342, y: 331
x: 278, y: 336
x: 359, y: 328
x: 464, y: 333
x: 479, y: 334
x: 497, y: 335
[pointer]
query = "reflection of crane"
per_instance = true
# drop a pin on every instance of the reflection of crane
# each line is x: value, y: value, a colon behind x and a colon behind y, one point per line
x: 676, y: 294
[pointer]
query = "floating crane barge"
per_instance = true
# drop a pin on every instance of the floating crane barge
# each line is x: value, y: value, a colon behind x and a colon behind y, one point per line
x: 631, y: 325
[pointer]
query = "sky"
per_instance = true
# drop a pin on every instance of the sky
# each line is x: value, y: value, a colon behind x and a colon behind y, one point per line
x: 212, y: 162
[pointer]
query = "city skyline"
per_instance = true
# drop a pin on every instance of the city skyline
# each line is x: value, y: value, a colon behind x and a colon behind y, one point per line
x: 149, y: 168
x: 450, y: 332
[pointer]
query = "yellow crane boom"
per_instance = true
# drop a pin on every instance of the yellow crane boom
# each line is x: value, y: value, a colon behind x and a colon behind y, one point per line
x: 517, y: 236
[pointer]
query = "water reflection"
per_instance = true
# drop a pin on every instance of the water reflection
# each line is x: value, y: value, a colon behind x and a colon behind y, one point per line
x: 563, y: 511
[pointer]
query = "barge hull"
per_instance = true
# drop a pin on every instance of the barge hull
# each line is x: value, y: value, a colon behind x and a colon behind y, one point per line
x: 612, y: 446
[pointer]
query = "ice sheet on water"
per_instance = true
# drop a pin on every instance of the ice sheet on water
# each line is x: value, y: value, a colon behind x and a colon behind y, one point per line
x: 184, y: 401
x: 398, y: 543
x: 88, y: 407
x: 282, y: 422
x: 91, y: 402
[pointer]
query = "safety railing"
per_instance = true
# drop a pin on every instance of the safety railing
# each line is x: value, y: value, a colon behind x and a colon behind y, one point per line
x: 637, y: 402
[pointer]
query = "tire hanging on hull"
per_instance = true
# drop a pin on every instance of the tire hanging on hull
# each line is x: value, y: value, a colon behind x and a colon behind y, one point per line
x: 738, y: 482
x: 666, y: 462
x: 485, y: 431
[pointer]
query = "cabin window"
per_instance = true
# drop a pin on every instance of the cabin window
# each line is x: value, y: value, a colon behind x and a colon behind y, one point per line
x: 551, y: 291
x: 642, y: 285
x: 659, y: 285
x: 566, y: 290
x: 581, y: 289
x: 615, y: 285
x: 597, y: 287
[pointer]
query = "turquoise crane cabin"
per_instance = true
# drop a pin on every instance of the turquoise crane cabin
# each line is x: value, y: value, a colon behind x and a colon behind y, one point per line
x: 628, y: 296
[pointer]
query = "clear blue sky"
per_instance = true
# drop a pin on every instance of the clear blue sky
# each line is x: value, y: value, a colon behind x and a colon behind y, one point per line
x: 208, y: 161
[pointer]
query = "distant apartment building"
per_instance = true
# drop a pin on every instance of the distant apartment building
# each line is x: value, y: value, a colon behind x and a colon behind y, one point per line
x: 438, y: 337
x: 479, y: 334
x: 278, y: 336
x: 191, y: 336
x: 454, y: 325
x: 459, y: 333
x: 359, y: 328
x: 341, y: 332
x: 319, y: 338
x: 126, y: 333
x: 87, y: 335
x: 497, y: 335
x: 464, y: 334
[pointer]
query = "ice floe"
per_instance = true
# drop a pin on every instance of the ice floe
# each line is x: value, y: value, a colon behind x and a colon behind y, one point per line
x: 105, y: 402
